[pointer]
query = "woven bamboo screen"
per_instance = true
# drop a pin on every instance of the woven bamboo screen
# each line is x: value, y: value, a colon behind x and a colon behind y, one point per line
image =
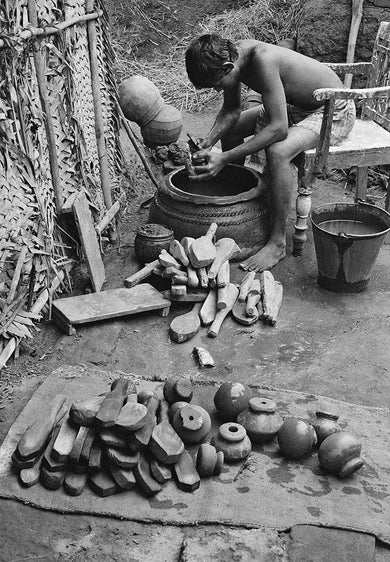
x: 59, y: 134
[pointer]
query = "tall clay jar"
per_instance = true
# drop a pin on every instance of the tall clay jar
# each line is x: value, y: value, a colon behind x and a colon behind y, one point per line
x: 325, y: 424
x: 150, y: 240
x: 233, y: 441
x: 260, y: 419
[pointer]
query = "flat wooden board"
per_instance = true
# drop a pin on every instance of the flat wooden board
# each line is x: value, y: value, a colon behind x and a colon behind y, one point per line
x: 89, y: 241
x: 108, y: 304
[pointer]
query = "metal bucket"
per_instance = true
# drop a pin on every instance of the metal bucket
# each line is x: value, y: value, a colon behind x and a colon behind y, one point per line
x: 347, y: 239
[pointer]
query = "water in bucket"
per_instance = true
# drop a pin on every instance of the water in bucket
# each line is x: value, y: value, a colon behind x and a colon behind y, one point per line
x: 347, y: 239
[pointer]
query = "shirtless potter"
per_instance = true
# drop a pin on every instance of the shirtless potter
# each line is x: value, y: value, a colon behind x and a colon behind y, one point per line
x: 288, y: 122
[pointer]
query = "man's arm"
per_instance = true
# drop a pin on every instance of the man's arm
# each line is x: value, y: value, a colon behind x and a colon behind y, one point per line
x: 227, y: 116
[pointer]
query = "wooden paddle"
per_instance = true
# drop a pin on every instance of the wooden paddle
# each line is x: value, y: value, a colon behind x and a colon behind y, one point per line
x: 209, y: 308
x: 112, y: 403
x: 36, y: 436
x: 239, y: 314
x: 231, y: 298
x: 141, y: 274
x: 202, y: 250
x: 225, y: 248
x: 165, y: 444
x: 184, y: 327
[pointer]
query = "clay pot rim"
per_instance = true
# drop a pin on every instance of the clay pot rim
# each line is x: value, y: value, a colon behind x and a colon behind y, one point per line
x: 195, y: 199
x: 149, y: 236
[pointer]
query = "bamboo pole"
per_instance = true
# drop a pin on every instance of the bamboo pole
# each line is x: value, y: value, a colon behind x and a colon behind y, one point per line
x: 51, y: 140
x: 357, y: 12
x: 50, y: 29
x: 98, y: 110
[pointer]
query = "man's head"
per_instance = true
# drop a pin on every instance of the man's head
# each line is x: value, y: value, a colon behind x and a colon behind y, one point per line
x: 208, y: 59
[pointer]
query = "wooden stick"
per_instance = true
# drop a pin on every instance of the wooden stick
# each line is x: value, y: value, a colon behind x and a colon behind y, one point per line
x: 51, y: 138
x: 50, y: 29
x: 98, y: 109
x: 137, y: 148
x: 357, y: 12
x: 110, y: 215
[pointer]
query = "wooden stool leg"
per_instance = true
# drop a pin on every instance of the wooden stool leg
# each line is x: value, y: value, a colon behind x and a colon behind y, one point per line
x: 361, y: 183
x: 303, y: 206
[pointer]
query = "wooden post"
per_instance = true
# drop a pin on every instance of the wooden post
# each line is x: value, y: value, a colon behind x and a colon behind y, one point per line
x: 98, y: 111
x: 51, y: 139
x: 357, y: 12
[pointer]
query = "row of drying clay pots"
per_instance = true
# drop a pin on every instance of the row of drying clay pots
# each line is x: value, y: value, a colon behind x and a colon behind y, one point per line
x: 338, y: 450
x: 142, y: 103
x: 257, y: 421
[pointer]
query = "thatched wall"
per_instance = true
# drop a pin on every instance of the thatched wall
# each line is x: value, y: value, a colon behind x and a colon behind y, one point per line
x: 48, y: 142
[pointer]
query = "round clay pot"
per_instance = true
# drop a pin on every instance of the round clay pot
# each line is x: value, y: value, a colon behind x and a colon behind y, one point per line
x: 140, y: 99
x: 192, y: 423
x: 206, y: 460
x: 174, y: 408
x: 177, y: 389
x: 340, y: 454
x: 230, y: 399
x: 233, y: 441
x: 325, y: 424
x: 237, y: 199
x: 296, y: 438
x: 164, y: 128
x: 150, y: 239
x: 260, y: 419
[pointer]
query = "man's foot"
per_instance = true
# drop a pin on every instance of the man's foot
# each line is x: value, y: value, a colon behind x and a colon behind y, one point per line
x: 265, y: 258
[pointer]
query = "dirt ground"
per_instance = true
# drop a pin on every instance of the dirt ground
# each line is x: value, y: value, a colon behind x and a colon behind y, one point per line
x: 322, y: 355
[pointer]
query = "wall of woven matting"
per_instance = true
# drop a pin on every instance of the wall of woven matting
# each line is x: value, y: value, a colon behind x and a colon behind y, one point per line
x: 53, y: 110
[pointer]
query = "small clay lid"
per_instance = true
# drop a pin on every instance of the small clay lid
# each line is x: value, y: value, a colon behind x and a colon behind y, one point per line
x: 262, y: 405
x: 191, y: 417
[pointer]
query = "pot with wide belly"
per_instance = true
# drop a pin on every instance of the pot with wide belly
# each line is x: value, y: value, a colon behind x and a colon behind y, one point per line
x: 237, y: 199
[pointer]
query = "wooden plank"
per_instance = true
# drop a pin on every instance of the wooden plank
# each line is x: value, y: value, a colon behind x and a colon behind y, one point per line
x: 89, y: 241
x: 109, y: 304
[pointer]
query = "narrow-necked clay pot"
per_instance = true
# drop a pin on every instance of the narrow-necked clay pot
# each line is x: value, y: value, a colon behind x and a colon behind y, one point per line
x: 192, y: 423
x: 340, y: 454
x: 296, y: 438
x: 233, y: 441
x: 260, y: 419
x: 325, y: 424
x: 230, y: 399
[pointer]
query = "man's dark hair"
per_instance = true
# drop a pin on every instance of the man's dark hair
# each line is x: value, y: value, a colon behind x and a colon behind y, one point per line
x: 205, y: 57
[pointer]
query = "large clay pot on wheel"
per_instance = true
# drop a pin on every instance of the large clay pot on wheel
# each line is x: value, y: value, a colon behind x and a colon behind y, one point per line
x: 237, y: 200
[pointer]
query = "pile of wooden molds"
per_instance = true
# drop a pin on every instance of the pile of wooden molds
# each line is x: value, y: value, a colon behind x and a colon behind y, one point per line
x: 118, y: 441
x: 200, y: 270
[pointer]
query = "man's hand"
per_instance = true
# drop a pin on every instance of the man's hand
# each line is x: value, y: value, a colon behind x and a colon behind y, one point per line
x: 207, y: 164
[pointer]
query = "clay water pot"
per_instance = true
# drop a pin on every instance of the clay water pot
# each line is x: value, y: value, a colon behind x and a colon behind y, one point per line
x: 192, y: 423
x: 340, y: 454
x: 233, y: 441
x: 140, y: 99
x: 296, y: 438
x: 230, y: 399
x: 164, y: 128
x: 260, y: 419
x: 209, y: 461
x: 325, y: 424
x: 237, y: 199
x: 150, y: 239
